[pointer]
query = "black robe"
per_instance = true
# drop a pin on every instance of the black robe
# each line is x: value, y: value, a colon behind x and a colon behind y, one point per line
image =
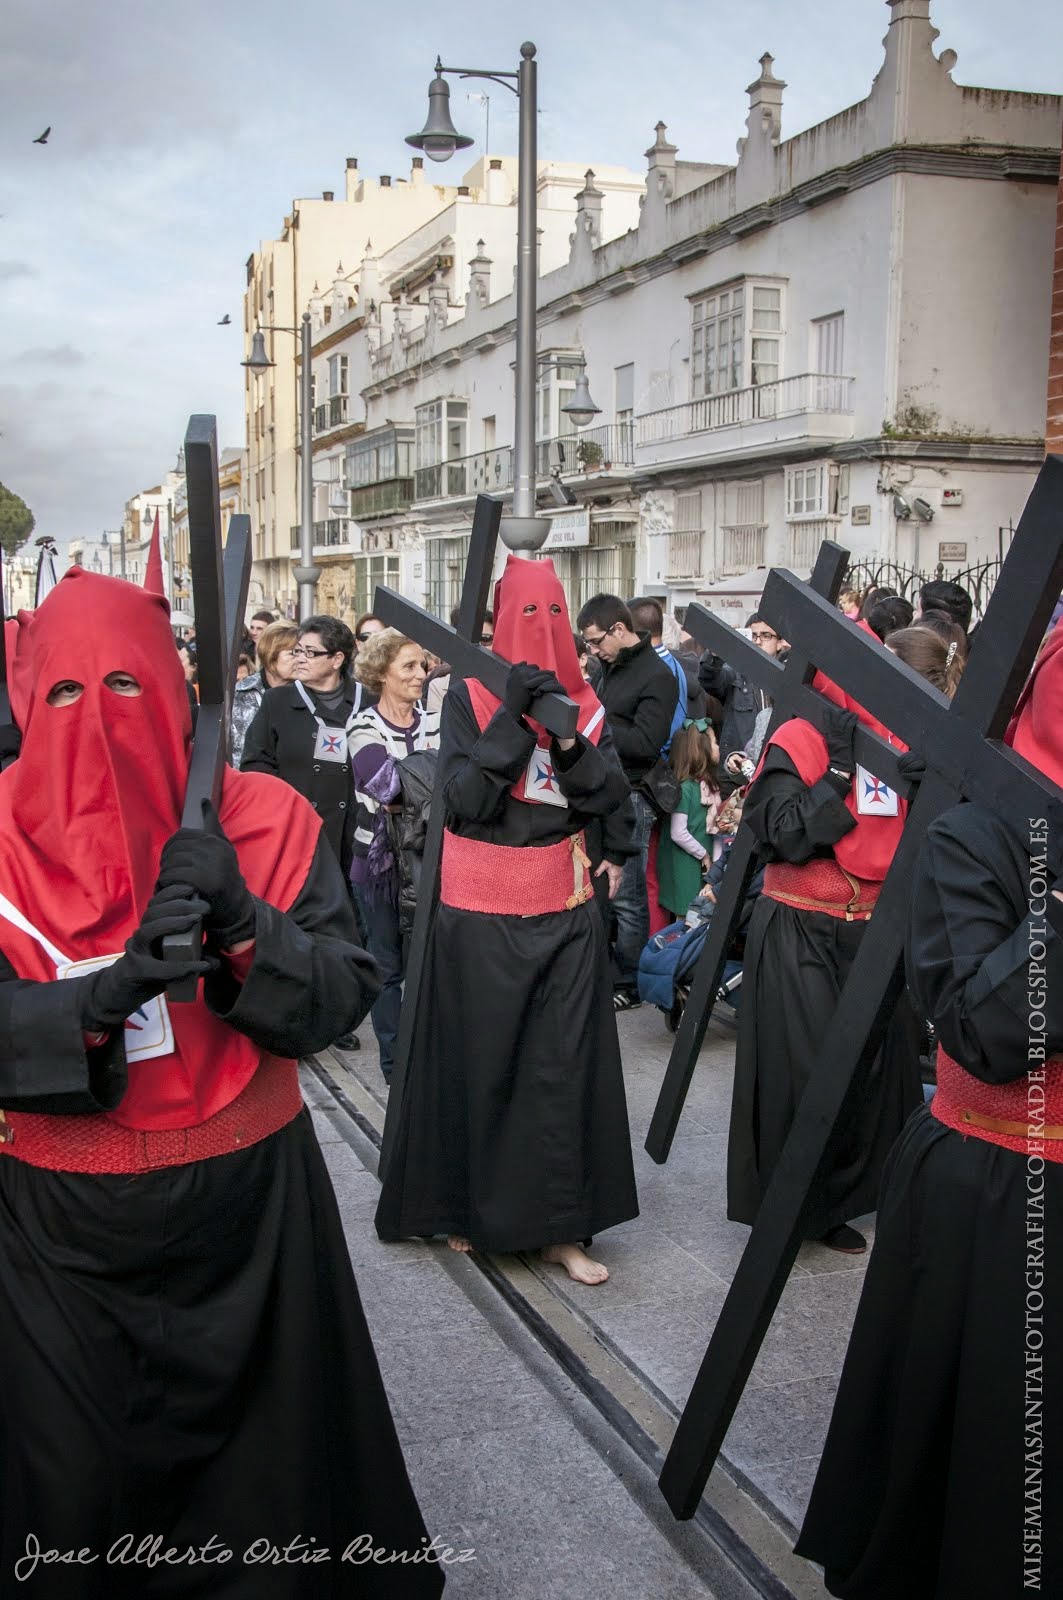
x: 927, y: 1482
x: 513, y: 1129
x: 796, y: 963
x: 183, y: 1351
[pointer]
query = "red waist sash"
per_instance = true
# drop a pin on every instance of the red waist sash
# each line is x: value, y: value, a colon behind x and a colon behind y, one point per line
x: 1025, y: 1115
x: 823, y: 886
x: 505, y: 880
x: 97, y: 1144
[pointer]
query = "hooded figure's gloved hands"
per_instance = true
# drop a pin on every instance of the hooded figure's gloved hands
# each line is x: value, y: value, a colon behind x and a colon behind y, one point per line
x: 207, y: 863
x: 524, y: 684
x: 838, y: 731
x: 114, y: 993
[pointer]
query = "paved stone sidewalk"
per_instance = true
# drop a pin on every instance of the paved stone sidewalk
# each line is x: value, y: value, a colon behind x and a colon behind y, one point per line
x: 501, y: 1459
x: 670, y: 1269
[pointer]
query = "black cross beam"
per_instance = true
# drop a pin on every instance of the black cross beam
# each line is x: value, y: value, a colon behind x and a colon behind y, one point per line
x: 960, y: 742
x: 219, y: 595
x: 788, y: 684
x: 467, y: 658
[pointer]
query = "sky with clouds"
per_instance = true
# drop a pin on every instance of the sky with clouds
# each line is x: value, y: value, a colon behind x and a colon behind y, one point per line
x: 182, y: 131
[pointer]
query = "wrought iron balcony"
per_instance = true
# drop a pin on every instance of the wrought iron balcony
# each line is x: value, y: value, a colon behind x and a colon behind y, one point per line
x: 809, y: 394
x: 491, y: 471
x: 331, y: 413
x: 335, y: 532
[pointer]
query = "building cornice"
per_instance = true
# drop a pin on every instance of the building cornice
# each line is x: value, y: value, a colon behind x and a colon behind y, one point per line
x: 1005, y: 165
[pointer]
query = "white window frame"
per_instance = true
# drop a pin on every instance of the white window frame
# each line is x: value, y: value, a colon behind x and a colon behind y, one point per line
x: 555, y: 383
x: 828, y: 332
x: 816, y: 489
x: 432, y: 430
x: 750, y: 313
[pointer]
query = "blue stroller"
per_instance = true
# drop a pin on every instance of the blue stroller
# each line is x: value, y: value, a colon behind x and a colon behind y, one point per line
x: 667, y: 964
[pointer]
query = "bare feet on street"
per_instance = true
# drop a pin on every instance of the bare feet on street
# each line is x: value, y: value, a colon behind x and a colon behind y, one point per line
x: 576, y: 1262
x: 456, y: 1242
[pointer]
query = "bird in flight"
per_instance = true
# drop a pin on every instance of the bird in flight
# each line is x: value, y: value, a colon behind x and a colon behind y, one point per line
x: 43, y: 138
x: 225, y: 321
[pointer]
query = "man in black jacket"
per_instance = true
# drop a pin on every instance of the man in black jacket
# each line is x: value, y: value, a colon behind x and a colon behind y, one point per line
x: 299, y: 734
x: 639, y: 694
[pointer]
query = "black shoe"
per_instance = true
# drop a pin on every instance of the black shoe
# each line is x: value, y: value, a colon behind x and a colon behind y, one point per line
x: 845, y: 1239
x: 626, y: 1000
x: 347, y: 1041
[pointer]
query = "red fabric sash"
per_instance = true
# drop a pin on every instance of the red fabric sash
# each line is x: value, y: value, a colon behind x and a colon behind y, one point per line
x: 1020, y: 1115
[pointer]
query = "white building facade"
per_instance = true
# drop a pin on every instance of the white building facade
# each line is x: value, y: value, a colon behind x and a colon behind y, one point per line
x: 842, y: 335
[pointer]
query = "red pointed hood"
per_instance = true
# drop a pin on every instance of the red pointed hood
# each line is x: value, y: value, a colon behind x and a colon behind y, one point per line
x: 153, y: 581
x: 532, y: 624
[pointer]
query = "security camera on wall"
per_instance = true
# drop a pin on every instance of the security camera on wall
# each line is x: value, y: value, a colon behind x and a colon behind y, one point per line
x: 560, y: 492
x: 923, y: 510
x: 901, y: 509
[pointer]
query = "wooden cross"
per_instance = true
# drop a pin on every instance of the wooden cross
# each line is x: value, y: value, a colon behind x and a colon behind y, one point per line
x: 460, y: 647
x: 219, y: 595
x: 960, y: 741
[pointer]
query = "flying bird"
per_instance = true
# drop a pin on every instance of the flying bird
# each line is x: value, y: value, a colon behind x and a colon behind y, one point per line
x: 225, y: 321
x: 43, y: 138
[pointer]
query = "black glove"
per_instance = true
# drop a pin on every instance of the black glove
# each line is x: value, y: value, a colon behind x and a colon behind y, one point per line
x: 912, y: 767
x: 111, y: 995
x: 206, y: 863
x: 524, y: 684
x: 838, y: 731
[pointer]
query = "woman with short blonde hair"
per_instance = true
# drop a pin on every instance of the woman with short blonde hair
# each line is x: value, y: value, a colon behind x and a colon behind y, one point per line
x: 276, y: 665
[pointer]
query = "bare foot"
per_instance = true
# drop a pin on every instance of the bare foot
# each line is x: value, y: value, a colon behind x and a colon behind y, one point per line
x: 456, y: 1242
x: 576, y: 1262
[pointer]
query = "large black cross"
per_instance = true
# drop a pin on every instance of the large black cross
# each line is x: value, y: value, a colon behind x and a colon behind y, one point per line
x: 219, y: 595
x: 961, y: 744
x: 467, y: 658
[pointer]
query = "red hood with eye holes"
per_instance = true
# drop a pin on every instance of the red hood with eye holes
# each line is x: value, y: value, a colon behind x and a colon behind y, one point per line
x: 85, y: 811
x: 541, y: 636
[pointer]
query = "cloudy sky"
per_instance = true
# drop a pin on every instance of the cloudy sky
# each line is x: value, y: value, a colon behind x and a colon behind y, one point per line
x: 182, y: 131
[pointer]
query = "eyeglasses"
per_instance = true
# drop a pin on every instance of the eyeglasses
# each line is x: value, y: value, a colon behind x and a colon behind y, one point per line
x: 304, y: 653
x: 596, y: 644
x: 759, y: 638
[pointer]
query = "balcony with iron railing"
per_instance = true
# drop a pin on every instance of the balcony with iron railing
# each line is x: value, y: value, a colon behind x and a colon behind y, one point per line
x: 683, y: 555
x: 812, y: 406
x: 335, y: 533
x: 595, y: 450
x: 741, y: 548
x: 332, y: 413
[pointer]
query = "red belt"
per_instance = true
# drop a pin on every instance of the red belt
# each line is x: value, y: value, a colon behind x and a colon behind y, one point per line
x: 96, y: 1144
x: 1023, y: 1115
x: 514, y: 880
x: 821, y: 886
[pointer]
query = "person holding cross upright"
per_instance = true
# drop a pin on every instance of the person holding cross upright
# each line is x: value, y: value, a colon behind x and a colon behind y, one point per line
x: 512, y: 1133
x: 827, y: 831
x: 185, y: 1354
x: 942, y: 1474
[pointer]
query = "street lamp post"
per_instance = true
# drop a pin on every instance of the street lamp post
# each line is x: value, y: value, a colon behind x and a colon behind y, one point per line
x: 306, y: 574
x: 522, y: 531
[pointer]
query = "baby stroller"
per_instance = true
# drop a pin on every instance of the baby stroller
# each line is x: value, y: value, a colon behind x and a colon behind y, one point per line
x: 666, y: 968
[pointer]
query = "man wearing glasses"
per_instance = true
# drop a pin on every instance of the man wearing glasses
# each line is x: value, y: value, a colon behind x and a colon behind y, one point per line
x: 741, y: 700
x: 298, y: 735
x: 640, y: 696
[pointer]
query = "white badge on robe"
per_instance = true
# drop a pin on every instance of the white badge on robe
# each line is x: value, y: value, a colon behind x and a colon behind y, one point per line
x: 330, y: 744
x: 148, y: 1032
x: 873, y: 799
x: 540, y: 781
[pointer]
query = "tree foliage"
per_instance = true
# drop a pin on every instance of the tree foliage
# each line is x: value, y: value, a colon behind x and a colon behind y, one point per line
x: 17, y: 521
